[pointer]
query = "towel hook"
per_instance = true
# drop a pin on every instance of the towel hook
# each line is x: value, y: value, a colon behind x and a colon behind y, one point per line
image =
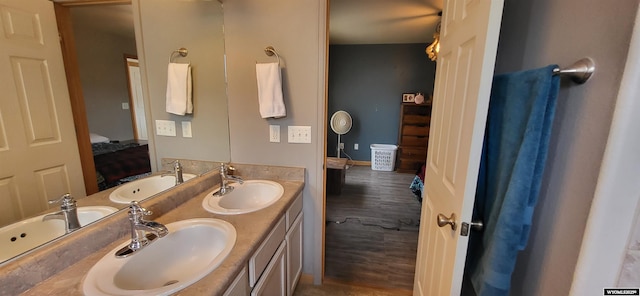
x: 579, y: 71
x: 183, y: 52
x: 270, y: 51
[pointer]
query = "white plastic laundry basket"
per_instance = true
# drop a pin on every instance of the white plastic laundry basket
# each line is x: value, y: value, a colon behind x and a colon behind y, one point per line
x: 383, y: 157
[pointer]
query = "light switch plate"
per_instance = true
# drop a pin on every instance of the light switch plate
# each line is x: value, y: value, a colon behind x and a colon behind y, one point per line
x: 274, y: 133
x: 186, y: 129
x: 166, y: 128
x: 299, y: 134
x: 125, y: 106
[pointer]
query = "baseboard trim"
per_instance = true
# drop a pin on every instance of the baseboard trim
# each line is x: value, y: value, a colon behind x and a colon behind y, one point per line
x: 306, y: 278
x: 361, y: 162
x: 337, y: 282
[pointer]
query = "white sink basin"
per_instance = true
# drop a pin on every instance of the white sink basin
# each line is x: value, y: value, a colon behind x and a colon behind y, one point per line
x: 251, y: 196
x: 141, y: 189
x: 192, y: 249
x: 25, y: 235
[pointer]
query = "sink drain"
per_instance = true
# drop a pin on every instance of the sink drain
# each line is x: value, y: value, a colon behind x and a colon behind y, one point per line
x: 170, y: 283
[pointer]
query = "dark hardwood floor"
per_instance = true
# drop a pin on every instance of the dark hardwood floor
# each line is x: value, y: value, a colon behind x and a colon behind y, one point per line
x: 372, y: 230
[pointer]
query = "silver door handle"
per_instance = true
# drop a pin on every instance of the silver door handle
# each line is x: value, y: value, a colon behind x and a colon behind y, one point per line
x: 444, y: 221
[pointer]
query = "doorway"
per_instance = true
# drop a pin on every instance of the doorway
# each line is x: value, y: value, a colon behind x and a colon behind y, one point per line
x: 372, y: 224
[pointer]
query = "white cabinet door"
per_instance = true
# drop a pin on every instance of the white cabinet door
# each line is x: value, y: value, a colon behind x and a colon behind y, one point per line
x: 240, y: 286
x: 294, y: 254
x: 273, y: 281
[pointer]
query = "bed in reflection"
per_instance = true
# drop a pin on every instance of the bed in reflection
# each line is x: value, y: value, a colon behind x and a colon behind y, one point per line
x: 120, y: 162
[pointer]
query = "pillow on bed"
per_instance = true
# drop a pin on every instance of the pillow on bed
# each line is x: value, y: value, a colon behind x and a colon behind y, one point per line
x: 95, y: 138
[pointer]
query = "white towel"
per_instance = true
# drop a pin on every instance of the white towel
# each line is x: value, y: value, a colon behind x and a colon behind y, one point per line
x: 270, y: 90
x: 179, y: 97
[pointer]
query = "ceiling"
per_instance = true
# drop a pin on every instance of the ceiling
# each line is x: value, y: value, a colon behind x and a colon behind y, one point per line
x: 351, y: 21
x: 383, y: 21
x: 115, y: 19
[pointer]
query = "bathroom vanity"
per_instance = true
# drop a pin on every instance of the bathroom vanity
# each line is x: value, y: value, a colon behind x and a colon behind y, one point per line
x: 265, y: 260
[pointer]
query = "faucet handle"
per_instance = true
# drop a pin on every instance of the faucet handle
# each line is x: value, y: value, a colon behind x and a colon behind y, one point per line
x: 66, y: 200
x: 230, y: 170
x: 176, y: 164
x: 226, y: 169
x: 135, y: 210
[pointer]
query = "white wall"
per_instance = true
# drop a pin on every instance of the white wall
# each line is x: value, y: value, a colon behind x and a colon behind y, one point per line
x: 295, y: 29
x: 542, y: 32
x: 167, y: 25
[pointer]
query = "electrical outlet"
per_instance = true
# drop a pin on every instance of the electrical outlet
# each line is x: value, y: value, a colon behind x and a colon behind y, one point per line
x: 299, y: 134
x: 274, y: 133
x: 166, y: 128
x: 355, y: 146
x: 186, y: 129
x: 341, y: 145
x: 125, y: 106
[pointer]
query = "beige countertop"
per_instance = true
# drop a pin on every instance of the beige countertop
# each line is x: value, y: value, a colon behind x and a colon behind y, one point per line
x: 251, y: 228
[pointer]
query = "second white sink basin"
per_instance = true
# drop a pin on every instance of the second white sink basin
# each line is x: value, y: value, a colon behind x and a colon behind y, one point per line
x: 192, y: 249
x: 25, y: 235
x: 139, y: 190
x: 251, y: 196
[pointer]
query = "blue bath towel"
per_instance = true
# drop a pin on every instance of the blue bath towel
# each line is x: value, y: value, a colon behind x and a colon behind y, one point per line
x: 521, y: 112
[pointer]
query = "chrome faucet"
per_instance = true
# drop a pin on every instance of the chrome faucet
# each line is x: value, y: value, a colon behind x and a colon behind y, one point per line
x: 225, y: 177
x: 177, y: 172
x: 143, y: 232
x: 68, y: 213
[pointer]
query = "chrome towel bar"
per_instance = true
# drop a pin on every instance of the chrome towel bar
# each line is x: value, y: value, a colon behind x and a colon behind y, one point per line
x: 579, y: 71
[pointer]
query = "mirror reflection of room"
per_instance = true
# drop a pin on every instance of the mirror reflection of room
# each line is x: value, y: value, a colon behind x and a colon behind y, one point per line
x: 108, y: 85
x: 111, y: 86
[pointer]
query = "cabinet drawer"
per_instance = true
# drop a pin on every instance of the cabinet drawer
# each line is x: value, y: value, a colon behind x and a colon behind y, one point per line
x: 261, y: 258
x: 414, y: 141
x: 410, y: 165
x: 415, y: 130
x: 413, y: 152
x: 293, y: 211
x: 416, y: 119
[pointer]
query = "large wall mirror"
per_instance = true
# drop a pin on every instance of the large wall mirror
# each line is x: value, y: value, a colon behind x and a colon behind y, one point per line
x: 121, y: 50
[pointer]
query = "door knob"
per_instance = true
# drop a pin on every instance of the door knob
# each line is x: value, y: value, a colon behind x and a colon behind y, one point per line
x: 444, y: 221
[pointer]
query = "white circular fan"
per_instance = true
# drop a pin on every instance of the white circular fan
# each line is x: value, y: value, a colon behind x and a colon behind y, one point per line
x: 340, y: 124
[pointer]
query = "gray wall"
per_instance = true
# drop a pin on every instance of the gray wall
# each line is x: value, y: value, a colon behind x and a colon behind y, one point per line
x: 166, y: 26
x: 104, y: 80
x: 535, y: 34
x: 368, y: 81
x: 293, y: 28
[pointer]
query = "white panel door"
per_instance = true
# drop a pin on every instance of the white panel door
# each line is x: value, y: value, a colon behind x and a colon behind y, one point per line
x: 464, y: 73
x: 137, y: 99
x: 39, y: 157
